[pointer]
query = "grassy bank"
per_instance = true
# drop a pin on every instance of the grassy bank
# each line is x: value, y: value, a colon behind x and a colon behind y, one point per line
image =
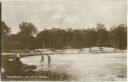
x: 14, y: 70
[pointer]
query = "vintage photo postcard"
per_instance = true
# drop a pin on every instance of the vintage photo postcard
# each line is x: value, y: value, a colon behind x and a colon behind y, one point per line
x: 64, y: 40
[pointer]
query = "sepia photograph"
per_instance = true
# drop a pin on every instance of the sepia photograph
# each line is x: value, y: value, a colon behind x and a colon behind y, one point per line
x: 64, y: 40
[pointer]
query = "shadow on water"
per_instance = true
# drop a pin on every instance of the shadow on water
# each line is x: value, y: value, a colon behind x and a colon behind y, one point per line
x: 14, y: 70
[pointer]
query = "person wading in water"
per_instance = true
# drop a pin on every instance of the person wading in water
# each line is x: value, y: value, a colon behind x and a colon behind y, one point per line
x: 49, y: 59
x: 42, y: 53
x: 42, y: 58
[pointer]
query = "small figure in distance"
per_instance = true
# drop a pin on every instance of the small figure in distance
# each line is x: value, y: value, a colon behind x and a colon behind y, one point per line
x: 18, y: 57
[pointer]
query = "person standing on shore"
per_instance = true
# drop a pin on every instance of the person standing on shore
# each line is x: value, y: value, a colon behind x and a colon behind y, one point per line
x: 18, y: 57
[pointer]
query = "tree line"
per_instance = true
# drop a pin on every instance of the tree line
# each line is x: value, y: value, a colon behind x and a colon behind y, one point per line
x: 57, y: 38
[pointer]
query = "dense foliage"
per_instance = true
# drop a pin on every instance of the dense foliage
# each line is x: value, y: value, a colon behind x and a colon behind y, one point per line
x: 56, y: 38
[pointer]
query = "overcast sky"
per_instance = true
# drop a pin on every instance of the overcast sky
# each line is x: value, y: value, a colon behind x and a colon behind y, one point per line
x: 64, y: 13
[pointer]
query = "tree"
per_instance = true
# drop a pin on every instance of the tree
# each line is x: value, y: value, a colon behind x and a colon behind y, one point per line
x: 58, y: 38
x: 26, y: 34
x: 53, y: 38
x: 5, y: 29
x: 77, y: 39
x: 14, y: 42
x: 90, y: 38
x: 5, y: 32
x: 119, y: 36
x: 122, y: 40
x: 69, y: 36
x: 103, y: 35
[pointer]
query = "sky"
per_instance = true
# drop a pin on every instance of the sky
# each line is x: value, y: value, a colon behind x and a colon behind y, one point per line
x: 76, y: 14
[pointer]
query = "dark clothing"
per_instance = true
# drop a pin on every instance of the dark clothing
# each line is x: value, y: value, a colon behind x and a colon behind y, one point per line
x: 42, y: 59
x: 49, y: 60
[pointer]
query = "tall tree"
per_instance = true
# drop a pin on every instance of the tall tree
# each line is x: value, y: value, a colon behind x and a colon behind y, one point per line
x: 26, y: 34
x: 69, y: 36
x: 5, y: 32
x: 119, y: 36
x: 77, y: 39
x: 103, y: 35
x: 90, y: 38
